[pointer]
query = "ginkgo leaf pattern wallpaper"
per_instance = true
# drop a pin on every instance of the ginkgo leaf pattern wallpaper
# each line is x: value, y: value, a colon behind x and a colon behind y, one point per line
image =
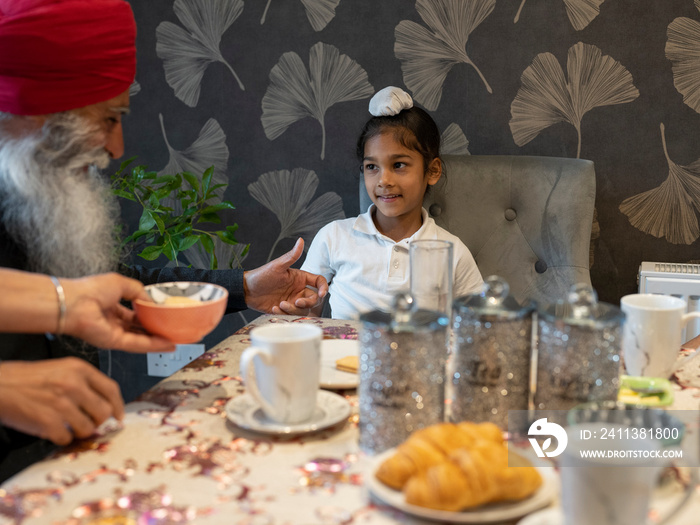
x: 274, y: 93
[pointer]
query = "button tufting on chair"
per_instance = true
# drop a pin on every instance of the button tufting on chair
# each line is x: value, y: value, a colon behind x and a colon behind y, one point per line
x: 510, y: 211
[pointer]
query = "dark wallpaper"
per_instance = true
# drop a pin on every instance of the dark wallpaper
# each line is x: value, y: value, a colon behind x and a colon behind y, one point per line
x: 274, y: 94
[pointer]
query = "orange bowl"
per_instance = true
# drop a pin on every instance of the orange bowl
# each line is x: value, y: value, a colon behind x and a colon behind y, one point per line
x: 182, y: 312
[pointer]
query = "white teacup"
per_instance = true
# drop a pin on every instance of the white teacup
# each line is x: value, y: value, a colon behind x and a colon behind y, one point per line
x: 611, y: 490
x: 281, y: 370
x: 651, y: 336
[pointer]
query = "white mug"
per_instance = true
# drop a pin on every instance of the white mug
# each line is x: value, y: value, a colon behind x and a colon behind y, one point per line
x: 281, y: 370
x: 611, y: 490
x: 651, y: 337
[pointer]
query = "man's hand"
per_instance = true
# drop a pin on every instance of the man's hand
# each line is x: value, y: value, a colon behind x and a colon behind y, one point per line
x: 57, y: 399
x: 94, y: 314
x: 276, y: 283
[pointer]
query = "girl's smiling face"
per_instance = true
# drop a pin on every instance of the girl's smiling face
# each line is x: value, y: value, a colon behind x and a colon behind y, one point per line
x: 396, y: 179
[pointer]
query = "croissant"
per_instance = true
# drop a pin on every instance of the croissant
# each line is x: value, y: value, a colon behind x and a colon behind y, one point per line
x: 432, y: 445
x: 470, y: 477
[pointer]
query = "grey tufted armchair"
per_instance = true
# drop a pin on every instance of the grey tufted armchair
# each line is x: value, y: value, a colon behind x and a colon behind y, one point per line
x: 527, y: 219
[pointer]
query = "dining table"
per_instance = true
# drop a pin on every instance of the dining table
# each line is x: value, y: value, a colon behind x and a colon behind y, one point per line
x: 181, y: 456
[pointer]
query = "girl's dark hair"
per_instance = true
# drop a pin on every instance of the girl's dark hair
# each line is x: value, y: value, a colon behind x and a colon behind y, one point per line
x: 413, y: 128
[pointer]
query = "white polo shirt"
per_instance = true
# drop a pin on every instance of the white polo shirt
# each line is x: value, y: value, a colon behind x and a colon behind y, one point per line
x: 366, y: 269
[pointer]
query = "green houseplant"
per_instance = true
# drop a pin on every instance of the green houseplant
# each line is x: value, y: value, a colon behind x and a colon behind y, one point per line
x: 177, y: 211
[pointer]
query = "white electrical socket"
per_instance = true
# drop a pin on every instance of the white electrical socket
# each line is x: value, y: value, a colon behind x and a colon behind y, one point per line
x: 166, y: 364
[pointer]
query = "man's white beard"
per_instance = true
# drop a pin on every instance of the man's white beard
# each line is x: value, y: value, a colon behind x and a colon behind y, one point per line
x: 61, y: 213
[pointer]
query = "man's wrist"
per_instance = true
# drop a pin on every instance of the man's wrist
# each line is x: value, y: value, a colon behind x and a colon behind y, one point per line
x: 246, y: 292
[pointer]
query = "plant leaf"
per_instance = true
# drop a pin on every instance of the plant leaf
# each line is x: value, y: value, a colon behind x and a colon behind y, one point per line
x: 159, y: 223
x: 151, y: 253
x: 165, y: 179
x: 136, y: 235
x: 186, y: 55
x: 187, y: 242
x: 124, y: 195
x: 182, y: 228
x: 428, y: 55
x: 191, y: 179
x: 210, y: 217
x: 169, y: 248
x: 224, y: 205
x: 206, y: 179
x: 226, y: 237
x: 147, y: 221
x: 153, y: 200
x: 294, y: 94
x: 123, y: 166
x: 207, y: 243
x: 546, y: 97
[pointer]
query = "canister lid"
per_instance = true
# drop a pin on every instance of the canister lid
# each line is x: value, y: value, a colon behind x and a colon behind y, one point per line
x: 405, y: 317
x: 494, y: 302
x: 582, y: 308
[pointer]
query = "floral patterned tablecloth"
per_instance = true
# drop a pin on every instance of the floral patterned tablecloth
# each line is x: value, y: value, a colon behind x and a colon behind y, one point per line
x: 176, y: 459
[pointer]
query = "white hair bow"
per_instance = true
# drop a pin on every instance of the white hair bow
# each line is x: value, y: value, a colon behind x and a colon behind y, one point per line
x: 389, y: 101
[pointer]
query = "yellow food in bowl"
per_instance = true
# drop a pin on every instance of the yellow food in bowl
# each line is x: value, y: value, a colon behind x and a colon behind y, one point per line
x: 180, y: 317
x: 174, y: 299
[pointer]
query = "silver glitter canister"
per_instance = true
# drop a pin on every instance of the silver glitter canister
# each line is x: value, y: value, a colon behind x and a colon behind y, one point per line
x: 402, y: 373
x: 491, y: 350
x: 578, y: 351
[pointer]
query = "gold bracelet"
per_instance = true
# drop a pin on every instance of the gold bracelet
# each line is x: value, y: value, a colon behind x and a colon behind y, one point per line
x: 61, y: 304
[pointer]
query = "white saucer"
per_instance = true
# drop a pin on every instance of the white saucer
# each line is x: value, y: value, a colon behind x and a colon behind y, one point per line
x: 331, y: 351
x: 245, y: 412
x: 549, y: 516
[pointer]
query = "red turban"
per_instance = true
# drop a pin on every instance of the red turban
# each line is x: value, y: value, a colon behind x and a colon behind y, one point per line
x: 57, y: 55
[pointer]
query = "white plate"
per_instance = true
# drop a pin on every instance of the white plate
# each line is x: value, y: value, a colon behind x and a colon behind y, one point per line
x: 245, y: 412
x: 331, y: 351
x: 487, y: 513
x: 550, y: 516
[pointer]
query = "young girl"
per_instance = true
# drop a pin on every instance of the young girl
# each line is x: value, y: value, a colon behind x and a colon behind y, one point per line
x: 366, y: 259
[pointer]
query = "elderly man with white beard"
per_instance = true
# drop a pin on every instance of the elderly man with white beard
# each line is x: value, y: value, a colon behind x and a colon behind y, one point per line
x: 65, y: 70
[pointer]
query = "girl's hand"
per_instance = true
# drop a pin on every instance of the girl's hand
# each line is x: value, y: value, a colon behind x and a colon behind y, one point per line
x: 275, y: 283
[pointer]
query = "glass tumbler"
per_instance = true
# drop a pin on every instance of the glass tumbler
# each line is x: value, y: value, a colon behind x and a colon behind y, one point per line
x: 431, y: 275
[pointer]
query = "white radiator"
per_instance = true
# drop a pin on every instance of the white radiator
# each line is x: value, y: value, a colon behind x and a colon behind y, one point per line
x: 679, y: 280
